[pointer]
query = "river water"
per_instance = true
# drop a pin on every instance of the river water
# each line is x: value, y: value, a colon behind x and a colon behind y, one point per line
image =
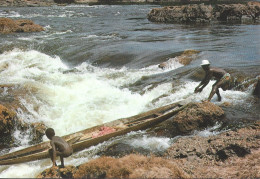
x: 95, y: 64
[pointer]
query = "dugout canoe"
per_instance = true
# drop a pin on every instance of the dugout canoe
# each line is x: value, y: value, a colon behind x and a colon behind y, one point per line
x: 92, y: 136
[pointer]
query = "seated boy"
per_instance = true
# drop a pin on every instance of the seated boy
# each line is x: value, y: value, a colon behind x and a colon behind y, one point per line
x: 59, y: 147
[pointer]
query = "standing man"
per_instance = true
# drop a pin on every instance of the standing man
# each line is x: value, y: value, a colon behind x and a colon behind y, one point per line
x: 223, y: 79
x: 59, y: 147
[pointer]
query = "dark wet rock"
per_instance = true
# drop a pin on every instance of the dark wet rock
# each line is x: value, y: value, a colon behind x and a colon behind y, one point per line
x: 9, y: 96
x: 122, y: 149
x: 257, y: 88
x: 195, y: 116
x: 200, y: 13
x: 8, y: 120
x: 8, y: 25
x: 57, y: 172
x: 37, y: 131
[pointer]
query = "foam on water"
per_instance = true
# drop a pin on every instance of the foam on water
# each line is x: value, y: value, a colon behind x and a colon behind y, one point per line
x: 151, y: 143
x: 73, y: 101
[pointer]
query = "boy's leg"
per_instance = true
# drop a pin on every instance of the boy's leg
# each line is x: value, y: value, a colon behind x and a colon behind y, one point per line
x: 62, y: 161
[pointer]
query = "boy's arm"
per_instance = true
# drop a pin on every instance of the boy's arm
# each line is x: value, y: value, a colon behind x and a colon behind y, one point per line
x: 53, y: 154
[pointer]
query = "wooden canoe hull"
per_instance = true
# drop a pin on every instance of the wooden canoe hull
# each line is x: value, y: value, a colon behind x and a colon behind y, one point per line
x: 82, y: 139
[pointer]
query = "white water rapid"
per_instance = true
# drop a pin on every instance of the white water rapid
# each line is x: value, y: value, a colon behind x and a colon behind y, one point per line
x: 72, y: 100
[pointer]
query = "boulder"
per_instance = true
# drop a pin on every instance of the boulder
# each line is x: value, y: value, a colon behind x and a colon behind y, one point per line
x: 195, y: 116
x: 8, y: 121
x: 200, y: 13
x: 8, y: 25
x: 185, y: 59
x: 57, y: 172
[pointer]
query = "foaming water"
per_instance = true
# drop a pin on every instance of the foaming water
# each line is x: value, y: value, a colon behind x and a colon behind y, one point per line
x: 70, y: 100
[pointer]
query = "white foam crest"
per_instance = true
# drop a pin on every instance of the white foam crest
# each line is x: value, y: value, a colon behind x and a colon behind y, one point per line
x: 27, y: 170
x: 172, y: 64
x: 210, y: 131
x: 71, y: 102
x: 186, y: 92
x: 102, y: 37
x: 18, y: 66
x: 151, y: 143
x: 120, y: 77
x: 9, y: 13
x: 48, y: 36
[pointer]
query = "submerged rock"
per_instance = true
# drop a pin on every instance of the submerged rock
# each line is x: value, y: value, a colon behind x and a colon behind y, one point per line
x: 195, y: 116
x: 201, y: 13
x: 8, y: 25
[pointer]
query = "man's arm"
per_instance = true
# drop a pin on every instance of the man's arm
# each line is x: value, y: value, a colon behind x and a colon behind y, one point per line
x: 203, y: 83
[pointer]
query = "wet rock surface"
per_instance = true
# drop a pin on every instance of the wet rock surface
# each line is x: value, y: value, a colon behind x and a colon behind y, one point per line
x: 57, y: 172
x: 8, y: 119
x: 234, y: 153
x: 200, y: 13
x: 195, y: 116
x: 185, y: 58
x: 229, y: 154
x: 10, y: 106
x: 8, y: 25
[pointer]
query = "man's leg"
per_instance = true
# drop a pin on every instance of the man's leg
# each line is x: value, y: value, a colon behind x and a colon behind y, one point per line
x: 213, y: 91
x: 217, y: 92
x: 62, y: 161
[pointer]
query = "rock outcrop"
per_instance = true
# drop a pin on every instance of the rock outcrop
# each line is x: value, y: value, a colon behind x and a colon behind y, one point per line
x: 131, y: 166
x: 195, y: 116
x: 8, y: 25
x: 185, y: 58
x: 233, y: 154
x: 29, y: 3
x: 201, y: 13
x: 8, y: 120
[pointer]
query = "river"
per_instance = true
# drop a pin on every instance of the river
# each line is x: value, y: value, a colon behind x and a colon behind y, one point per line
x: 95, y: 64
